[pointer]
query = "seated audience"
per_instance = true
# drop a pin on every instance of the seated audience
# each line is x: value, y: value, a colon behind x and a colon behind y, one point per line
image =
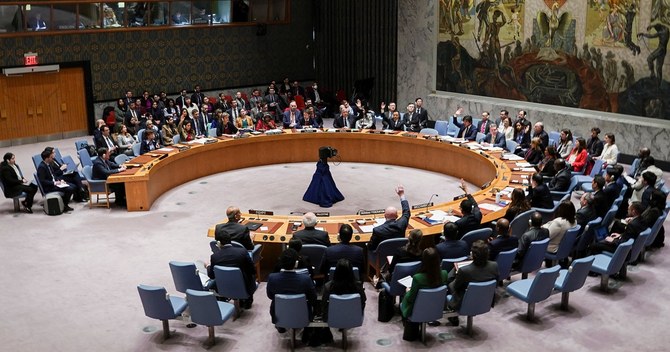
x: 546, y: 165
x: 539, y: 132
x: 344, y: 249
x: 288, y: 281
x: 518, y: 205
x: 429, y: 276
x: 587, y: 212
x: 344, y: 282
x: 125, y: 141
x: 393, y: 227
x: 612, y: 188
x: 539, y: 195
x: 635, y: 167
x: 564, y: 219
x: 185, y: 128
x: 600, y: 202
x: 561, y: 181
x: 149, y: 143
x: 565, y: 146
x: 236, y: 257
x: 534, y: 154
x: 503, y: 240
x: 594, y: 146
x: 466, y: 129
x: 534, y: 233
x: 494, y: 138
x: 303, y: 261
x: 632, y: 228
x: 238, y: 232
x: 104, y: 140
x: 522, y: 139
x: 168, y: 131
x: 310, y: 235
x: 507, y: 128
x: 265, y: 123
x: 410, y: 252
x: 244, y: 121
x: 14, y: 183
x: 103, y: 168
x: 51, y: 182
x: 453, y: 246
x: 610, y: 153
x: 578, y: 156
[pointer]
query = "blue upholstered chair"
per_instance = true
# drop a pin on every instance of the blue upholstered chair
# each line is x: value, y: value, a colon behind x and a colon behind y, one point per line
x: 429, y: 131
x: 534, y: 257
x: 230, y: 284
x: 452, y: 130
x: 84, y: 158
x: 344, y: 312
x: 292, y: 313
x: 442, y: 127
x: 96, y: 188
x: 474, y: 235
x: 554, y: 137
x: 586, y: 238
x: 176, y: 139
x: 254, y: 253
x: 315, y: 254
x: 159, y: 305
x: 400, y: 271
x: 213, y: 245
x: 205, y: 310
x: 136, y: 147
x: 519, y: 224
x: 428, y: 306
x: 80, y: 144
x: 186, y: 276
x: 572, y: 279
x: 558, y: 194
x: 583, y: 180
x: 510, y: 145
x: 606, y: 265
x: 609, y: 216
x: 121, y: 158
x: 536, y: 289
x: 635, y: 251
x: 505, y: 260
x: 37, y: 160
x: 384, y: 249
x: 655, y: 229
x: 565, y: 247
x: 547, y: 214
x: 477, y: 300
x: 448, y: 264
x: 16, y: 199
x: 331, y: 272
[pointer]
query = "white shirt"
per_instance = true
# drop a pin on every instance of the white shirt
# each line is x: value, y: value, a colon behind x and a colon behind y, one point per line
x: 610, y: 154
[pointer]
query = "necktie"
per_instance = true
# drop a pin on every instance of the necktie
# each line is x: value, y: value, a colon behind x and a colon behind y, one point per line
x: 483, y: 127
x: 465, y: 132
x: 292, y: 118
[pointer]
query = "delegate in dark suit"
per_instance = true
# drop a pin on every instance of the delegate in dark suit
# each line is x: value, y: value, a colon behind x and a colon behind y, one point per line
x: 395, y: 125
x: 342, y: 250
x: 102, y: 169
x: 471, y: 220
x: 48, y: 179
x: 467, y: 274
x: 540, y: 197
x: 584, y: 215
x: 298, y: 119
x: 290, y: 282
x: 236, y: 257
x: 238, y: 233
x: 310, y: 235
x: 13, y: 183
x: 501, y: 244
x: 340, y: 120
x: 498, y: 141
x: 391, y: 228
x: 414, y: 122
x: 632, y: 230
x: 453, y: 249
x: 561, y: 181
x: 467, y: 132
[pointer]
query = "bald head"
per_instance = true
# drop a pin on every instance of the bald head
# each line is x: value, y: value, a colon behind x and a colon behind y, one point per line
x: 391, y: 213
x: 233, y: 213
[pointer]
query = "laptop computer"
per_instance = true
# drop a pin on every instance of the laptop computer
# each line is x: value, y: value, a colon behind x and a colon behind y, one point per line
x: 600, y: 233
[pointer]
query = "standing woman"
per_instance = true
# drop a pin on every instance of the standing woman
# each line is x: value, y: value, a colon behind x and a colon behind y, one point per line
x: 14, y: 183
x: 578, y: 156
x: 430, y: 275
x: 610, y: 152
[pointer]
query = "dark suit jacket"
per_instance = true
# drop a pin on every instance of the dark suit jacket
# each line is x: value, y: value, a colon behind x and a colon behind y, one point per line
x: 533, y: 156
x: 498, y: 142
x: 548, y: 169
x: 472, y: 131
x: 594, y: 146
x: 501, y: 244
x: 540, y: 197
x: 544, y: 139
x: 414, y: 121
x: 467, y: 274
x: 338, y: 122
x: 391, y: 228
x: 452, y: 249
x: 46, y: 179
x: 10, y: 180
x: 290, y: 282
x: 471, y: 221
x: 584, y: 215
x: 561, y: 181
x: 299, y: 121
x: 341, y: 250
x: 611, y: 191
x: 238, y: 233
x: 313, y: 236
x: 391, y: 124
x: 487, y: 124
x: 146, y: 146
x: 102, y: 169
x: 533, y: 234
x: 600, y: 203
x: 236, y: 257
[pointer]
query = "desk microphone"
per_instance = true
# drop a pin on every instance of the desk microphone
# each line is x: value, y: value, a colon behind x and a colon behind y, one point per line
x: 430, y: 199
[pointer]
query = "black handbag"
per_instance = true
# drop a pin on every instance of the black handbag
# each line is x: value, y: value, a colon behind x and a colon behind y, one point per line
x: 386, y: 306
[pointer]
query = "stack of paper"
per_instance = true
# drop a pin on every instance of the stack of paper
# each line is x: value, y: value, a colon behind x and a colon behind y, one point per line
x: 165, y: 150
x: 523, y: 164
x: 491, y: 207
x: 511, y: 157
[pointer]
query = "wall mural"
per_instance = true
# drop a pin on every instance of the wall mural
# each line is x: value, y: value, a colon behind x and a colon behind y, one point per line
x: 549, y: 67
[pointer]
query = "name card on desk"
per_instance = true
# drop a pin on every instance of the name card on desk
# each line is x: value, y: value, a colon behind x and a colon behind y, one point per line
x: 322, y: 214
x: 261, y: 212
x: 422, y: 205
x: 370, y: 212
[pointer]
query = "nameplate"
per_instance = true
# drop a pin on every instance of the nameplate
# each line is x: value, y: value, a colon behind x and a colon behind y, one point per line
x: 370, y: 212
x: 210, y: 141
x: 322, y: 214
x: 409, y: 135
x: 308, y: 130
x: 261, y: 212
x: 487, y: 183
x: 460, y: 197
x: 183, y: 148
x: 422, y: 205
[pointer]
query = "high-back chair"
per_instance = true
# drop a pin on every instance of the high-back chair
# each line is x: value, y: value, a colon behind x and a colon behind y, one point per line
x: 315, y: 254
x: 519, y: 224
x: 291, y: 313
x: 448, y: 263
x: 121, y: 158
x: 635, y: 251
x: 429, y: 131
x: 479, y: 234
x: 384, y: 249
x: 159, y: 305
x: 442, y: 126
x: 401, y: 270
x: 428, y: 306
x: 573, y: 278
x: 331, y: 273
x: 344, y: 312
x: 586, y: 238
x: 230, y: 283
x: 609, y: 216
x: 565, y: 247
x: 505, y: 261
x: 96, y: 188
x: 655, y: 229
x: 607, y: 265
x: 16, y: 198
x: 254, y: 253
x: 477, y: 300
x: 205, y: 310
x: 186, y: 276
x: 534, y: 257
x: 536, y: 289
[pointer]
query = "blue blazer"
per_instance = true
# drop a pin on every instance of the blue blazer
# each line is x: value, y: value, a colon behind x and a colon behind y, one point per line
x: 472, y: 132
x: 339, y: 251
x: 299, y: 121
x: 498, y: 142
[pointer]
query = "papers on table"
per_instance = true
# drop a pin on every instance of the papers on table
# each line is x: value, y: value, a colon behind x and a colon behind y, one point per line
x: 406, y: 281
x: 523, y: 164
x: 264, y: 228
x: 474, y: 146
x: 511, y: 157
x: 528, y: 169
x: 438, y: 215
x: 165, y: 149
x: 493, y: 149
x: 452, y: 139
x: 198, y: 141
x: 331, y: 130
x: 379, y: 222
x: 366, y: 228
x: 491, y: 207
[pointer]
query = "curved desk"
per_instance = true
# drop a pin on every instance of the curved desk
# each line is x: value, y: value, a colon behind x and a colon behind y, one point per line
x: 161, y: 171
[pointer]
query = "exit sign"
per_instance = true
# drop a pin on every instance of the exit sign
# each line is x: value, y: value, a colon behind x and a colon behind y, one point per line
x: 30, y: 59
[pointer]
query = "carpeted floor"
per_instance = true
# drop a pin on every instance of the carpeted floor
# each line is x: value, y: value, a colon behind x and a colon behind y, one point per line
x: 69, y: 282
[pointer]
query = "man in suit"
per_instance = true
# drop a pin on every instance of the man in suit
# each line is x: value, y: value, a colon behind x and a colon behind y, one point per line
x: 344, y: 119
x: 296, y: 89
x: 198, y: 123
x: 561, y: 181
x: 412, y: 122
x: 494, y: 138
x: 343, y: 250
x: 466, y: 131
x: 104, y: 140
x: 472, y: 216
x: 635, y: 169
x: 238, y: 232
x: 51, y: 181
x: 293, y: 117
x: 539, y: 195
x: 132, y: 119
x: 600, y: 202
x: 236, y: 257
x: 421, y: 113
x: 535, y: 233
x: 394, y: 227
x: 587, y: 212
x: 634, y: 225
x: 612, y: 188
x: 181, y: 99
x: 102, y: 168
x: 223, y: 105
x: 288, y: 281
x: 243, y: 104
x: 275, y: 102
x: 310, y: 235
x: 14, y: 183
x: 453, y: 246
x: 484, y: 125
x: 482, y: 269
x: 503, y: 240
x: 521, y: 117
x: 539, y: 132
x: 197, y: 97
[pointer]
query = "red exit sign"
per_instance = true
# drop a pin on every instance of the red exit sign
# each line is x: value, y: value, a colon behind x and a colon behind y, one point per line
x: 30, y: 59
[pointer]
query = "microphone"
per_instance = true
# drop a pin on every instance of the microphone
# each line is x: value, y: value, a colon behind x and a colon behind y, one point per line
x: 430, y: 199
